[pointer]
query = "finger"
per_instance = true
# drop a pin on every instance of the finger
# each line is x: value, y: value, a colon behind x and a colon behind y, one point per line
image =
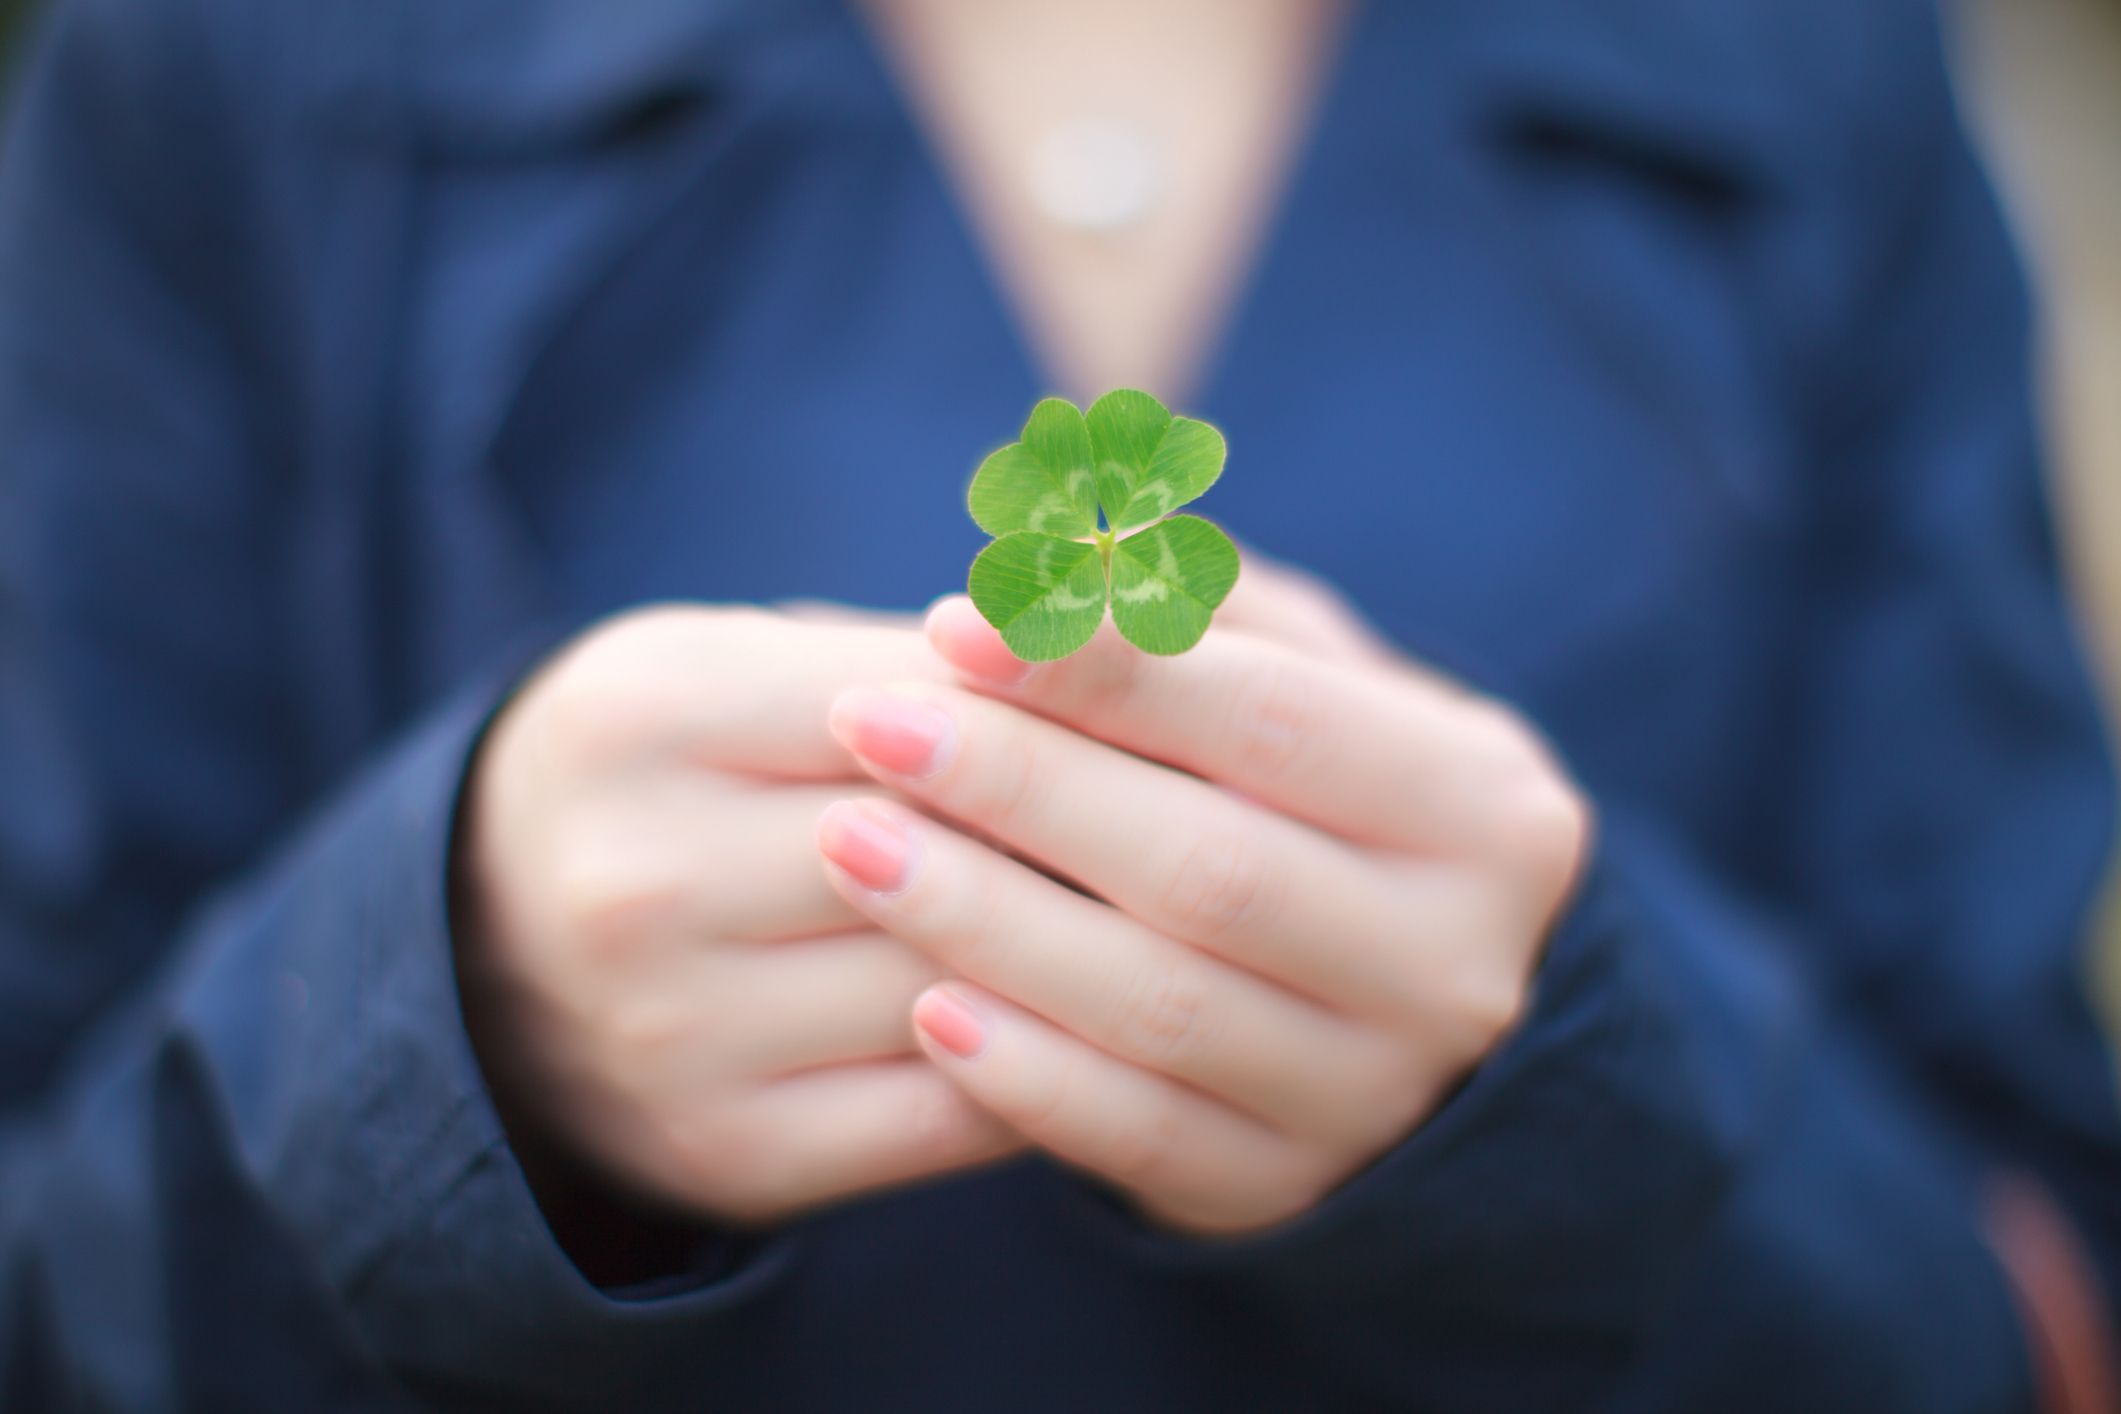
x: 701, y: 858
x: 832, y: 612
x: 764, y: 884
x: 730, y: 688
x: 1145, y: 998
x: 1185, y: 1157
x: 758, y: 880
x: 1268, y: 602
x: 1182, y: 856
x: 1379, y: 759
x: 833, y: 1001
x: 830, y: 1134
x: 773, y: 727
x: 1277, y: 601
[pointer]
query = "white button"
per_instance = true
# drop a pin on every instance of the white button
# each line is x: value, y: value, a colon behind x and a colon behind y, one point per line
x: 1096, y: 174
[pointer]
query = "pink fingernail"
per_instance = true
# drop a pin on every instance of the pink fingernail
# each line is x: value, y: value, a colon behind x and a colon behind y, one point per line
x: 951, y: 1022
x: 866, y: 843
x: 903, y: 736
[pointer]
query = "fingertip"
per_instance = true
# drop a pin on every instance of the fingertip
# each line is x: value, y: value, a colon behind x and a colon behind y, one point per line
x: 968, y: 643
x: 942, y: 602
x: 842, y: 713
x: 947, y: 611
x: 868, y: 843
x: 946, y: 1017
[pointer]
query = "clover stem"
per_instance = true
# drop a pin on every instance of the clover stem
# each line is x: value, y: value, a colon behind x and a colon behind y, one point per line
x: 1104, y: 550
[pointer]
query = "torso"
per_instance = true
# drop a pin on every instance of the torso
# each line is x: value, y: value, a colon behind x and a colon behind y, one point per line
x: 1503, y: 397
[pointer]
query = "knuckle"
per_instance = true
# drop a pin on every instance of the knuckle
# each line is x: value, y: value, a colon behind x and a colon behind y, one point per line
x: 1262, y: 1194
x: 1540, y: 823
x: 610, y: 908
x: 1276, y: 719
x: 1138, y: 1149
x: 1385, y: 1091
x: 1095, y: 685
x: 1298, y: 1190
x: 570, y: 707
x: 1550, y: 828
x: 638, y: 1031
x: 742, y: 1161
x: 627, y: 636
x: 937, y: 1123
x: 704, y: 1150
x: 589, y: 712
x: 653, y: 631
x: 1495, y: 733
x: 1043, y: 1105
x: 1016, y: 784
x: 1488, y: 1005
x: 1319, y: 598
x: 606, y: 695
x: 1221, y: 884
x: 967, y: 927
x: 1163, y: 1017
x: 1372, y: 1084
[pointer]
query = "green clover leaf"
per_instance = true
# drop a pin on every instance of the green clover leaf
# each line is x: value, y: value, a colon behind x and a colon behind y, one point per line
x: 1053, y: 567
x: 1149, y: 463
x: 1042, y: 483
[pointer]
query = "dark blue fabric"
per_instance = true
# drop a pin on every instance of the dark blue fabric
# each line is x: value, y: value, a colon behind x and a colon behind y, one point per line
x: 1658, y: 366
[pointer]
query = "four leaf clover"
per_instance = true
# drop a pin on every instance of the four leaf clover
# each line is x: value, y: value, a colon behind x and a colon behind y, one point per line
x: 1053, y: 566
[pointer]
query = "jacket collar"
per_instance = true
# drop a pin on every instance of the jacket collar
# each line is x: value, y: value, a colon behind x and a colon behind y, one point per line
x: 473, y: 78
x: 1714, y: 89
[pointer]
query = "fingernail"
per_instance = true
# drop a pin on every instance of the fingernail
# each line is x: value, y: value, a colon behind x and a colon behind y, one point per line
x: 904, y: 736
x: 866, y: 843
x: 951, y: 1022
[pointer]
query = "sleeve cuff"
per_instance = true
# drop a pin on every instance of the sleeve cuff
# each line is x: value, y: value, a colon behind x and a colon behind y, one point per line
x: 1561, y: 1187
x: 327, y: 1004
x: 1678, y: 1179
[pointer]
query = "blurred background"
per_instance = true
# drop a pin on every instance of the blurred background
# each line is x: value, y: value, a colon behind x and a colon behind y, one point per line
x: 2041, y: 84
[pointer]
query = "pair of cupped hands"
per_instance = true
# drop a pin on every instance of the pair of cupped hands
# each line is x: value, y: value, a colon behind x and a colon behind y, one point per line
x: 768, y: 910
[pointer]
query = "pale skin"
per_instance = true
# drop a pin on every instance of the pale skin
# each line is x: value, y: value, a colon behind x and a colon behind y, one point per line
x: 658, y: 980
x: 1224, y: 88
x: 1314, y: 885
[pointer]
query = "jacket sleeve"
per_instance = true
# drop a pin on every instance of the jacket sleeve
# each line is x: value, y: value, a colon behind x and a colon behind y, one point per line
x: 1745, y: 1151
x: 246, y: 1156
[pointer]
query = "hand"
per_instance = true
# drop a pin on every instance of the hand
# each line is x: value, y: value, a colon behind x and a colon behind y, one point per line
x: 1277, y: 601
x: 656, y: 978
x: 1316, y: 895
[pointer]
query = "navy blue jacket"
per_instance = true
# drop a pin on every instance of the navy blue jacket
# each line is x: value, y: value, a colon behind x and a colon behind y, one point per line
x: 1658, y: 366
